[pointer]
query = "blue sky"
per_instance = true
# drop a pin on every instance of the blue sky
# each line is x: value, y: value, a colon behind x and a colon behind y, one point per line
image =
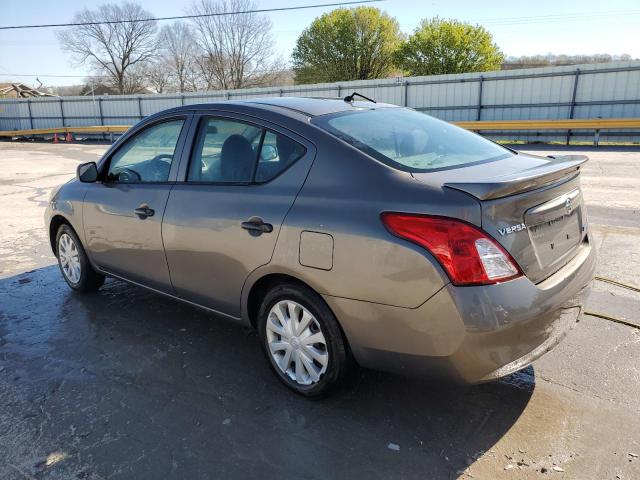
x: 519, y: 28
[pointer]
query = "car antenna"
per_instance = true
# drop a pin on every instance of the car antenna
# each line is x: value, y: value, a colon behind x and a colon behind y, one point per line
x: 349, y: 98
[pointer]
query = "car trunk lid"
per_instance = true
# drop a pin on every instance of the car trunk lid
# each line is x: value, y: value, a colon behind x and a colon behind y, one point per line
x: 531, y: 205
x: 519, y: 181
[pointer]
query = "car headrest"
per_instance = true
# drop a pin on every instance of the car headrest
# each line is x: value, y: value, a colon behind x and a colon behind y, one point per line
x: 236, y: 159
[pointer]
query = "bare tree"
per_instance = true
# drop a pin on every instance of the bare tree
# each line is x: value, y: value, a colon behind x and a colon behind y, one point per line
x: 203, y: 73
x: 237, y: 50
x: 157, y: 76
x: 178, y: 52
x: 137, y: 79
x: 113, y: 49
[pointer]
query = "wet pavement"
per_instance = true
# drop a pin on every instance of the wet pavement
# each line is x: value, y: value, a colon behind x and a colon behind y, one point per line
x: 127, y: 384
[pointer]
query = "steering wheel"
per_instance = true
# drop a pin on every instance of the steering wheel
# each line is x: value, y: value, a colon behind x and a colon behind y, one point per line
x: 126, y: 175
x: 158, y: 168
x: 168, y: 156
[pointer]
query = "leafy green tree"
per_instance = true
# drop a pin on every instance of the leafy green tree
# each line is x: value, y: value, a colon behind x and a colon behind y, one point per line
x: 347, y: 44
x: 448, y: 46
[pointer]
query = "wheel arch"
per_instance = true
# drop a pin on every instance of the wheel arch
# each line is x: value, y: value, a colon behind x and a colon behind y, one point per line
x: 264, y: 283
x: 261, y: 285
x: 54, y: 225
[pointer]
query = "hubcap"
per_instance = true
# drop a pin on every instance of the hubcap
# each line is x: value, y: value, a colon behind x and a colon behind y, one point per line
x: 69, y: 258
x: 296, y: 342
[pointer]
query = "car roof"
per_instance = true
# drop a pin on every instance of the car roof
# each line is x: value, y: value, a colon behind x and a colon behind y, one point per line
x: 314, y: 107
x: 311, y: 107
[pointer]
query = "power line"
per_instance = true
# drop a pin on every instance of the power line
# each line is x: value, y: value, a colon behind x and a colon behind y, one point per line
x: 52, y: 75
x: 556, y: 19
x: 182, y: 17
x: 559, y: 16
x: 89, y: 75
x: 569, y: 17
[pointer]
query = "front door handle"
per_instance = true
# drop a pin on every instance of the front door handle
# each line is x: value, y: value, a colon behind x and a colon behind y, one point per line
x: 257, y: 225
x: 143, y: 211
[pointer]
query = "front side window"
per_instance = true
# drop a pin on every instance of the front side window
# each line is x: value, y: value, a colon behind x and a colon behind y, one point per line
x: 146, y: 157
x: 409, y: 140
x: 233, y: 152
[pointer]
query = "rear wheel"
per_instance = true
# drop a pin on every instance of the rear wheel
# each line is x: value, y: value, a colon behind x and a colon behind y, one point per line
x: 302, y: 340
x: 73, y: 262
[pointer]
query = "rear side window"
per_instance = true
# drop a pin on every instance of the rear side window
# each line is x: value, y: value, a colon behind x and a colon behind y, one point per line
x: 225, y: 152
x: 232, y: 152
x: 278, y: 152
x: 410, y: 141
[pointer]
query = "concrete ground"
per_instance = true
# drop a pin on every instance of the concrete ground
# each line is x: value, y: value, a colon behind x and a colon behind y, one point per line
x: 127, y: 384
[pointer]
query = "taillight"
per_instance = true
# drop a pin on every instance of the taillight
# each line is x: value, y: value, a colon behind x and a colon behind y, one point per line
x: 468, y: 255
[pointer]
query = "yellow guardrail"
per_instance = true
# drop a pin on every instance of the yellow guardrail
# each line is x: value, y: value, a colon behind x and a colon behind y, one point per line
x: 573, y: 124
x: 65, y: 130
x: 596, y: 124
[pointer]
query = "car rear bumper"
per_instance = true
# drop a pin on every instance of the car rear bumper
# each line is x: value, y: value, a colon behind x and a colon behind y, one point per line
x: 470, y: 334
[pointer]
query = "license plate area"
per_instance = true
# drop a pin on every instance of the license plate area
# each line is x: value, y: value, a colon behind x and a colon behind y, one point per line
x: 555, y: 228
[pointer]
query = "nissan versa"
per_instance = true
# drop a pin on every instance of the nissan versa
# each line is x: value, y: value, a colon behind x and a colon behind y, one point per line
x: 346, y: 232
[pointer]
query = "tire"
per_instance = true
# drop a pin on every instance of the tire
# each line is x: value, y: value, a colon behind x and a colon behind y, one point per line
x: 309, y: 369
x: 74, y: 263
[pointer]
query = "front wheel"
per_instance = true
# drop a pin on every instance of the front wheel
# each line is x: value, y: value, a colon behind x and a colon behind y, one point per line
x: 303, y: 341
x: 73, y: 262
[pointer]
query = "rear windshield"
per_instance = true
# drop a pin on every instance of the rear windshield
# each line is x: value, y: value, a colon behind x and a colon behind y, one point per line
x: 409, y: 140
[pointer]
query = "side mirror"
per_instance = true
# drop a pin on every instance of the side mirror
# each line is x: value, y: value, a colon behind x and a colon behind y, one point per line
x: 269, y: 152
x: 87, y: 172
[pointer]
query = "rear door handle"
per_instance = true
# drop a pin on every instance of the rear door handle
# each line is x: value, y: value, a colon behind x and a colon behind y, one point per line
x: 143, y: 211
x: 256, y: 224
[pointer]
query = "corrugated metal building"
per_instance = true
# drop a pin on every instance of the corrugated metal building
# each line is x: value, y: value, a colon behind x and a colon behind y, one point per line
x: 610, y: 90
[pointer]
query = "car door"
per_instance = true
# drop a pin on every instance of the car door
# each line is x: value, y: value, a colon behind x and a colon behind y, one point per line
x: 222, y: 221
x: 122, y: 213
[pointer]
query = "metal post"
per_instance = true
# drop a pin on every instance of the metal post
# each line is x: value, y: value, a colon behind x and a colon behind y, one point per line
x: 181, y: 99
x: 280, y: 92
x: 406, y: 93
x: 339, y: 91
x: 62, y: 111
x: 479, y: 109
x: 30, y: 117
x: 573, y: 100
x: 140, y: 108
x: 596, y: 138
x: 100, y: 113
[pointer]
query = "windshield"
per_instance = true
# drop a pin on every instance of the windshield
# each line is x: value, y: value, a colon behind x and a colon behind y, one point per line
x: 409, y: 140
